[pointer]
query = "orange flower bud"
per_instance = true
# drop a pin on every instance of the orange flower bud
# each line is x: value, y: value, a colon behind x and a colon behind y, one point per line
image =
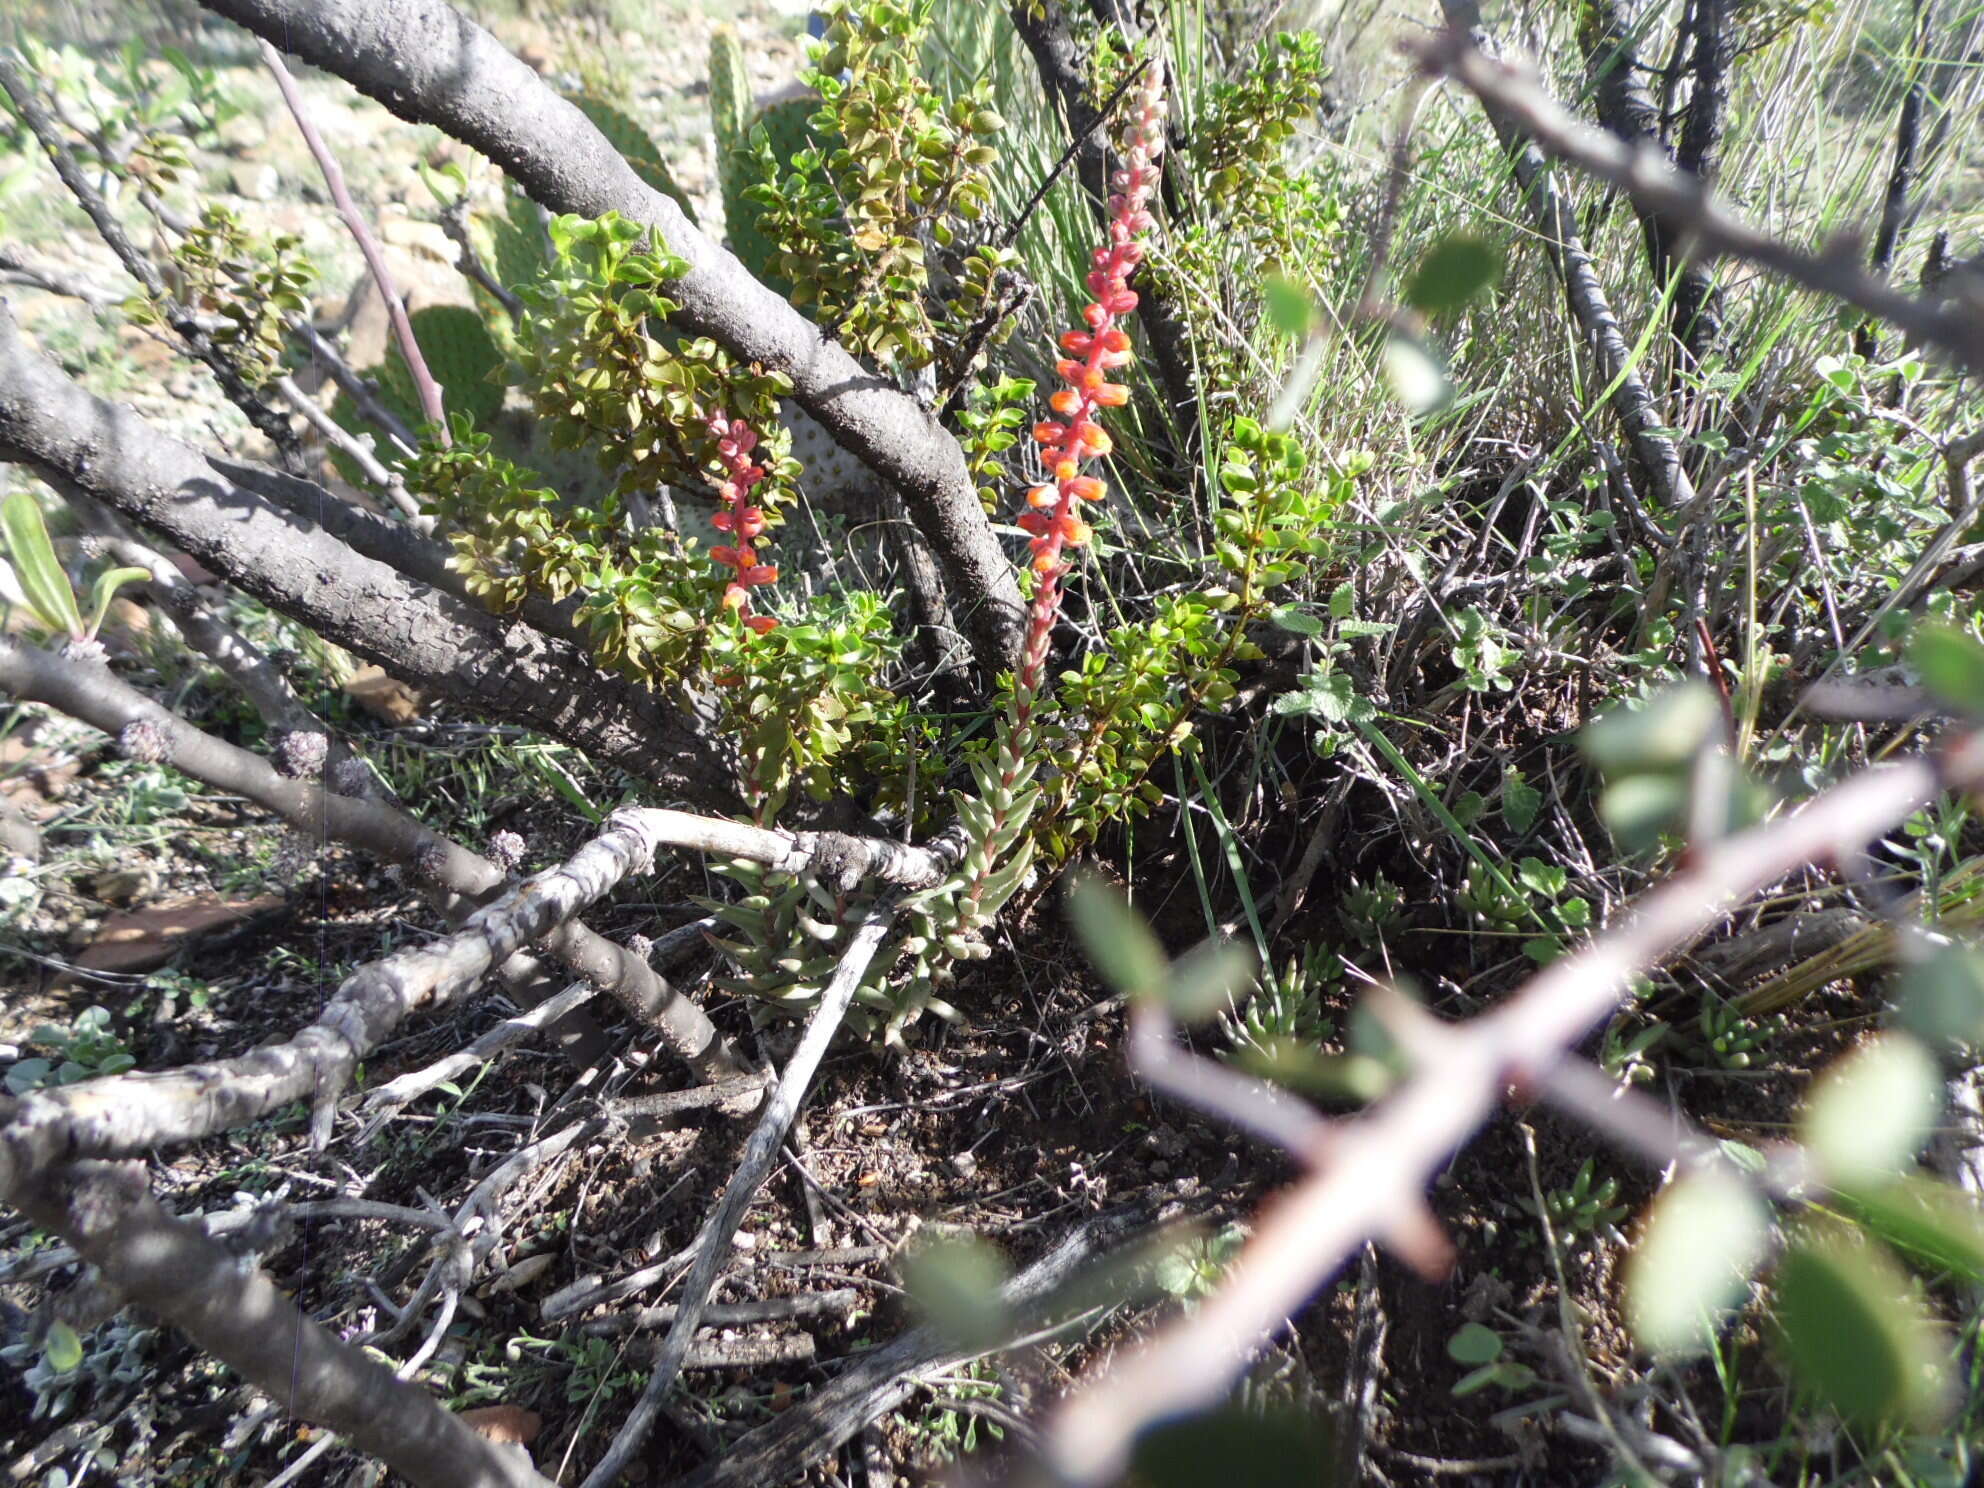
x: 1087, y: 488
x: 1042, y: 496
x: 1111, y: 394
x: 1065, y: 401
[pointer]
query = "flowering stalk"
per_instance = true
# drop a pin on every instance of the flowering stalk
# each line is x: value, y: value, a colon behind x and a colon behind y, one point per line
x: 735, y: 440
x: 996, y: 860
x: 1053, y: 516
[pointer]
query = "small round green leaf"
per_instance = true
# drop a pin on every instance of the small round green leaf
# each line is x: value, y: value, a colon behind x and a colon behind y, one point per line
x: 1951, y: 666
x: 1204, y: 981
x: 1664, y: 733
x: 1857, y: 1335
x: 1870, y: 1112
x: 956, y: 1281
x: 61, y: 1348
x: 1453, y: 272
x: 1278, y: 1448
x: 1936, y: 1226
x: 1702, y: 1239
x: 1475, y: 1343
x: 1639, y: 808
x: 1415, y: 373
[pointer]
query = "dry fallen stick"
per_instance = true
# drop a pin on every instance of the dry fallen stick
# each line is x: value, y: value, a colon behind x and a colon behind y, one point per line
x: 713, y: 1241
x: 510, y: 1031
x: 1371, y: 1170
x: 94, y: 695
x: 176, y: 1271
x: 126, y: 1114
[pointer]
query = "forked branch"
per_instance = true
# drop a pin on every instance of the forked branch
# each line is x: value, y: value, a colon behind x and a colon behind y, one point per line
x: 1370, y: 1172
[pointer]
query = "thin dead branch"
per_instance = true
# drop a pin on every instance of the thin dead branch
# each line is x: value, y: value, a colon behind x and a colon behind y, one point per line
x: 1514, y: 95
x: 424, y: 385
x: 713, y: 1240
x: 176, y: 1271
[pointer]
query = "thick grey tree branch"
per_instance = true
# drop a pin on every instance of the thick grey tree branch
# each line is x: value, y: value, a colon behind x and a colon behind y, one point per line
x: 99, y: 699
x: 1609, y: 32
x: 429, y: 64
x: 1370, y: 1172
x: 176, y: 1271
x: 428, y: 639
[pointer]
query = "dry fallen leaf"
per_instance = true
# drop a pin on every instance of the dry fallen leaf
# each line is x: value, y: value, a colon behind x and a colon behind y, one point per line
x: 504, y: 1423
x: 141, y: 939
x: 387, y: 699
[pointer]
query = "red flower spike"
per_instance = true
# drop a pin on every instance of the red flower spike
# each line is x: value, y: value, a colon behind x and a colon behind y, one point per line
x: 1053, y: 516
x: 735, y: 439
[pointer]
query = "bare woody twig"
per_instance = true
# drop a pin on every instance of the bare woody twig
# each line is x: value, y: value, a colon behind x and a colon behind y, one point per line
x: 1369, y: 1178
x: 510, y: 1031
x: 1686, y: 205
x: 15, y: 269
x: 93, y: 695
x: 713, y: 1241
x: 177, y: 1271
x: 36, y: 116
x: 342, y: 439
x: 424, y: 384
x: 120, y: 1115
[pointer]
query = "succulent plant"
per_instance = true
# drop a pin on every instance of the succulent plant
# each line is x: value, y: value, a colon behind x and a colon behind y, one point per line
x: 634, y: 144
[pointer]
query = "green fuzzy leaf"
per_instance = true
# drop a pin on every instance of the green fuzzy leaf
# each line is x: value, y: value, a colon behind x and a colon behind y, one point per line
x: 1870, y: 1112
x: 1118, y: 940
x: 61, y: 1348
x: 1665, y: 733
x: 1454, y: 271
x: 1938, y: 1227
x: 1943, y: 998
x: 1475, y: 1343
x: 1951, y: 665
x: 955, y: 1282
x: 1521, y: 801
x: 1205, y: 980
x: 1703, y: 1238
x: 1857, y: 1334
